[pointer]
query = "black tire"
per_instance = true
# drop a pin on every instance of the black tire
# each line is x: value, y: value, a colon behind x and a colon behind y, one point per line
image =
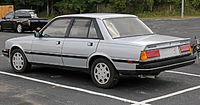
x: 1, y: 29
x: 113, y: 76
x: 19, y: 28
x: 26, y: 65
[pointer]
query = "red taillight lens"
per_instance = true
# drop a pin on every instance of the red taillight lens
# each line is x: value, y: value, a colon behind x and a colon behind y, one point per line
x: 185, y: 48
x: 153, y: 53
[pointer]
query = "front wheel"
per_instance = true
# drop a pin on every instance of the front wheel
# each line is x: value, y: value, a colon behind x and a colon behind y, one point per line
x: 104, y: 74
x: 19, y: 62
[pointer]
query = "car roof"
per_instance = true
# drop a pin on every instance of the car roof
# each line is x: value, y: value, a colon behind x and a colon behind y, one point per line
x: 99, y: 15
x: 28, y: 10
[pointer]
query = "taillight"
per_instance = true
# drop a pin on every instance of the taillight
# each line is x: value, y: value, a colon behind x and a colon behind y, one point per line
x: 149, y: 54
x: 153, y: 53
x: 185, y: 48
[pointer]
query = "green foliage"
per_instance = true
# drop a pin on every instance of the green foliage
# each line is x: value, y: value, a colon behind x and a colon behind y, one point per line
x: 196, y: 3
x: 118, y: 5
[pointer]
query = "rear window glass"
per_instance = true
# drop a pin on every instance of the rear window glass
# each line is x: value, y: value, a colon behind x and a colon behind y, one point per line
x: 22, y: 14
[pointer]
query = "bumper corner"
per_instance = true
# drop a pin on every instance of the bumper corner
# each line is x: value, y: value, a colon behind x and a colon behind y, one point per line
x: 5, y: 52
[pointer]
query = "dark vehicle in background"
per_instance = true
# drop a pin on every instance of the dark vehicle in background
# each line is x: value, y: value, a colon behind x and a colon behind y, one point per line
x: 22, y: 20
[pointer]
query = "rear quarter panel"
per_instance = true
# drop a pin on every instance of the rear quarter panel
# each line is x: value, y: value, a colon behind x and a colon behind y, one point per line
x: 121, y: 51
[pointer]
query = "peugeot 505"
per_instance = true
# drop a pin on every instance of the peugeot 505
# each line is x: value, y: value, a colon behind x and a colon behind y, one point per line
x: 106, y: 45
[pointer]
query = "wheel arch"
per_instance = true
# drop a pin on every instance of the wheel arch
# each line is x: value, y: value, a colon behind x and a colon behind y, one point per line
x: 96, y: 56
x: 15, y: 47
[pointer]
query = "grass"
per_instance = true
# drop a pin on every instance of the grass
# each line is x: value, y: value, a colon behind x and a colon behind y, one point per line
x: 168, y: 15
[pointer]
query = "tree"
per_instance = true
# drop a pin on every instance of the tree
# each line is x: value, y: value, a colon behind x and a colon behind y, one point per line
x: 96, y: 3
x: 196, y: 3
x: 150, y: 4
x: 118, y: 5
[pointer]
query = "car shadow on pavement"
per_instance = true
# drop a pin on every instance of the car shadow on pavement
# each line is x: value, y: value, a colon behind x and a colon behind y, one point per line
x: 83, y: 79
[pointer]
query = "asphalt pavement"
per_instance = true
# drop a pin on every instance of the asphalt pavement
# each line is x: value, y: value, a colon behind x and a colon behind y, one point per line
x: 54, y: 86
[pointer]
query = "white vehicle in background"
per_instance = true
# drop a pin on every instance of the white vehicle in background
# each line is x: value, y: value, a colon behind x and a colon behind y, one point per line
x: 106, y: 45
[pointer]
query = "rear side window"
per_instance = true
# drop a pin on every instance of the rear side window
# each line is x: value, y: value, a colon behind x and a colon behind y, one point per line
x: 92, y: 31
x: 80, y: 28
x: 57, y: 28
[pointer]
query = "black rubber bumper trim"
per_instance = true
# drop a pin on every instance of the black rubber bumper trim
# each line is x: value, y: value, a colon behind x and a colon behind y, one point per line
x: 5, y: 53
x: 154, y: 71
x: 152, y: 65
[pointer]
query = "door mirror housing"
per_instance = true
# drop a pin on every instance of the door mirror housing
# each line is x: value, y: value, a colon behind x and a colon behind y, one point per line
x: 37, y: 34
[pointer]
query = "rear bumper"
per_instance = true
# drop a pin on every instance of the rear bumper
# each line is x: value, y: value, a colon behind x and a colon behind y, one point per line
x: 5, y: 53
x: 155, y: 67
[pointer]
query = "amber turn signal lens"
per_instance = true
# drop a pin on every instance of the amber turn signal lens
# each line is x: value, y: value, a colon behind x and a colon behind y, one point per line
x: 143, y: 56
x: 6, y: 50
x: 190, y: 48
x: 38, y: 28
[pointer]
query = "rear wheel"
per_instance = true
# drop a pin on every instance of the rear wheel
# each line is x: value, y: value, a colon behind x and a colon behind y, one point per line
x: 19, y: 62
x: 1, y: 29
x: 19, y: 28
x: 104, y: 74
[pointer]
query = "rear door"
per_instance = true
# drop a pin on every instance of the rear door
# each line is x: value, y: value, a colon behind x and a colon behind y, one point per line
x: 82, y: 41
x: 47, y: 49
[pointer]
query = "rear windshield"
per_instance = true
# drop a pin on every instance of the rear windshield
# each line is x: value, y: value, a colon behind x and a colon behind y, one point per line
x: 126, y: 27
x: 25, y: 14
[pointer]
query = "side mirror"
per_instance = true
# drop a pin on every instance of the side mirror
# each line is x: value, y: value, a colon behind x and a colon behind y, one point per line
x: 37, y: 34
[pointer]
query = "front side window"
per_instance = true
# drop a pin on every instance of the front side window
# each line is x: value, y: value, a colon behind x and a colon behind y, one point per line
x: 126, y: 27
x: 57, y: 28
x: 9, y: 15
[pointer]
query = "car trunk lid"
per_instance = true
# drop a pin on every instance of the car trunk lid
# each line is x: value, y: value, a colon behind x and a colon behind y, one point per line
x: 168, y: 46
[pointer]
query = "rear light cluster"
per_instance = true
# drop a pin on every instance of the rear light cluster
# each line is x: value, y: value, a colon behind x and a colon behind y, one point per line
x: 156, y: 53
x: 149, y: 54
x: 185, y: 48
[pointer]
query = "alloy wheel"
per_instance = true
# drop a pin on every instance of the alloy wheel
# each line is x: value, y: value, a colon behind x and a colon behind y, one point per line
x: 102, y: 73
x: 19, y: 28
x: 18, y: 61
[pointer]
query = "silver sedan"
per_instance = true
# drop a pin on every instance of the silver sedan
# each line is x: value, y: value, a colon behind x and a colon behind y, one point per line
x: 105, y: 45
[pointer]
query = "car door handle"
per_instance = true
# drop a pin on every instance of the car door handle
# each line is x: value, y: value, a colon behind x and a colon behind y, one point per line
x: 90, y: 44
x: 58, y: 42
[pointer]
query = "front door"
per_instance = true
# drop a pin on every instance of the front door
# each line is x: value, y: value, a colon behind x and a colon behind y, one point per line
x: 82, y: 41
x: 47, y: 49
x: 7, y: 21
